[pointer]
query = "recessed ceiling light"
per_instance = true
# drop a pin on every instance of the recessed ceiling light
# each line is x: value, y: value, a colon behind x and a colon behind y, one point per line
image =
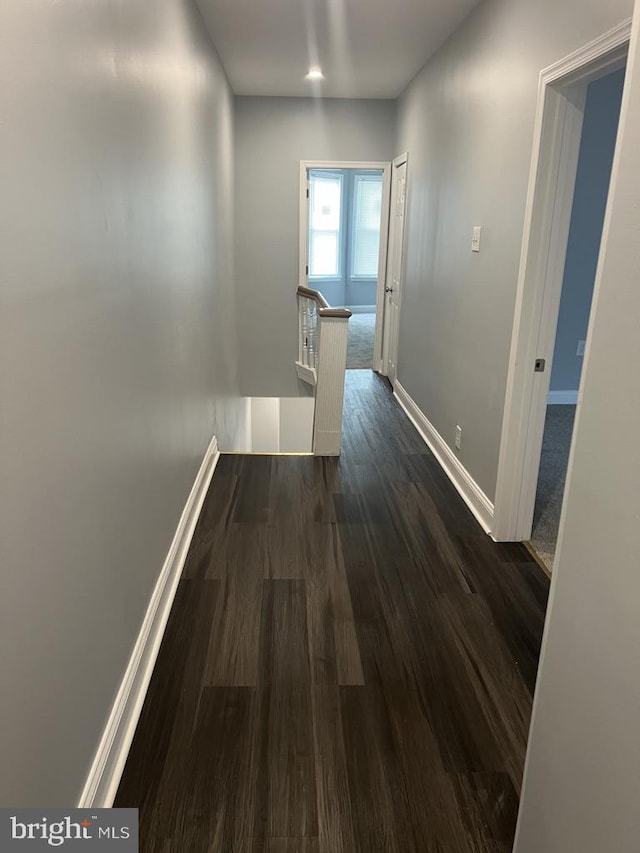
x: 315, y: 74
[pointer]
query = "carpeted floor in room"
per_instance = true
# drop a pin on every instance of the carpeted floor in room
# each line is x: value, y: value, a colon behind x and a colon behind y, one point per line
x: 362, y: 330
x: 556, y: 444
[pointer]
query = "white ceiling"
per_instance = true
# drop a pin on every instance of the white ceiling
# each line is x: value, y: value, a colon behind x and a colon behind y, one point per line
x: 366, y: 48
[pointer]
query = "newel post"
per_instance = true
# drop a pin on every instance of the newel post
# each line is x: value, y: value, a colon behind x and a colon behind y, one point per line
x: 333, y: 328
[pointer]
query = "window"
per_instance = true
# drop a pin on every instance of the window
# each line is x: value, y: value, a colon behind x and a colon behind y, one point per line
x: 367, y: 207
x: 325, y: 207
x: 345, y: 208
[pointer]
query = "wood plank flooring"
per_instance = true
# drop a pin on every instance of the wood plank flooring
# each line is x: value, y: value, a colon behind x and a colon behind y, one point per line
x: 349, y: 662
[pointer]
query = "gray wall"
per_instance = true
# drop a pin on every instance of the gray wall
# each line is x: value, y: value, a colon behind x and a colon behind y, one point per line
x: 602, y: 111
x: 467, y: 123
x: 582, y: 777
x: 272, y: 136
x: 116, y: 350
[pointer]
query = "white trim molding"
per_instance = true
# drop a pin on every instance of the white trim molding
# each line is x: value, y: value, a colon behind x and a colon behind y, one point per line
x: 108, y: 764
x: 559, y: 398
x: 587, y: 60
x: 469, y: 490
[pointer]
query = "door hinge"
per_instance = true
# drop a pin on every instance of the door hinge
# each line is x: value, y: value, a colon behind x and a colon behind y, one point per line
x: 307, y: 192
x: 307, y: 268
x: 540, y: 365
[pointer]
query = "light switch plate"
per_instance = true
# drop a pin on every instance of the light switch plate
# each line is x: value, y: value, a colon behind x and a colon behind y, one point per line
x: 475, y: 239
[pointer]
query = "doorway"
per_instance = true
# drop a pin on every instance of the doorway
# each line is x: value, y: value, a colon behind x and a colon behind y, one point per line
x: 343, y: 245
x: 599, y: 130
x: 566, y: 91
x: 344, y: 236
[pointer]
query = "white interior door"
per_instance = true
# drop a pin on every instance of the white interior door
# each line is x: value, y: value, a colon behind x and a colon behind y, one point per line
x: 393, y: 283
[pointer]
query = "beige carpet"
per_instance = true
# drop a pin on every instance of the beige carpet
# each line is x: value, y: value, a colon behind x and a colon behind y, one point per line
x: 362, y: 330
x: 558, y: 430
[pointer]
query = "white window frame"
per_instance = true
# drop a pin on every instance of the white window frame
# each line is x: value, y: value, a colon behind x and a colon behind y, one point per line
x: 341, y: 230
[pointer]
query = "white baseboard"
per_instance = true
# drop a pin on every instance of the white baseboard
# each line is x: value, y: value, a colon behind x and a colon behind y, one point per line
x: 362, y: 309
x: 557, y: 398
x: 104, y: 776
x: 469, y: 490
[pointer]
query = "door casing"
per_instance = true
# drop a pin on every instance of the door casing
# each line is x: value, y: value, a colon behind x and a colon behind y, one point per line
x: 558, y: 131
x: 387, y: 340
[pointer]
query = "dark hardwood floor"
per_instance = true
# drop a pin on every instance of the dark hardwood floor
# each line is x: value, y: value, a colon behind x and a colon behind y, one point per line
x: 349, y: 662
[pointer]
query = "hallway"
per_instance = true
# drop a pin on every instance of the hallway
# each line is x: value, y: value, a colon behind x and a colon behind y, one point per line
x: 349, y: 663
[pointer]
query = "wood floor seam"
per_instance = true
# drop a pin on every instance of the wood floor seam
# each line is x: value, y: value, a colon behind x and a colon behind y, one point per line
x: 349, y: 662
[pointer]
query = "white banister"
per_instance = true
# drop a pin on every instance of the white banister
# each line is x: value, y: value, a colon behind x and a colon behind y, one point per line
x: 307, y: 363
x: 322, y: 360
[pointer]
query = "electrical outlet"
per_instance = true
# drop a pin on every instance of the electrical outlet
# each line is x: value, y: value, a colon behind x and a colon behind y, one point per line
x: 458, y: 437
x: 580, y: 350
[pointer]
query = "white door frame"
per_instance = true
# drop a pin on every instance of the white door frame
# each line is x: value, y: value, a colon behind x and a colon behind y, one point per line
x: 305, y: 166
x: 382, y: 341
x: 557, y: 135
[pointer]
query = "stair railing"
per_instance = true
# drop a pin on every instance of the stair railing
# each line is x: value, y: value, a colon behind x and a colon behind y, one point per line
x: 322, y: 361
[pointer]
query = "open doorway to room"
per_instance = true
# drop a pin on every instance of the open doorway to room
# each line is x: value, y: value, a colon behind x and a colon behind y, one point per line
x: 597, y: 145
x: 345, y: 208
x: 344, y: 230
x: 579, y: 108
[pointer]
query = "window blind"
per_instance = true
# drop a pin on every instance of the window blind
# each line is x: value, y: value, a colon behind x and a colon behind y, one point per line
x: 325, y: 200
x: 366, y: 225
